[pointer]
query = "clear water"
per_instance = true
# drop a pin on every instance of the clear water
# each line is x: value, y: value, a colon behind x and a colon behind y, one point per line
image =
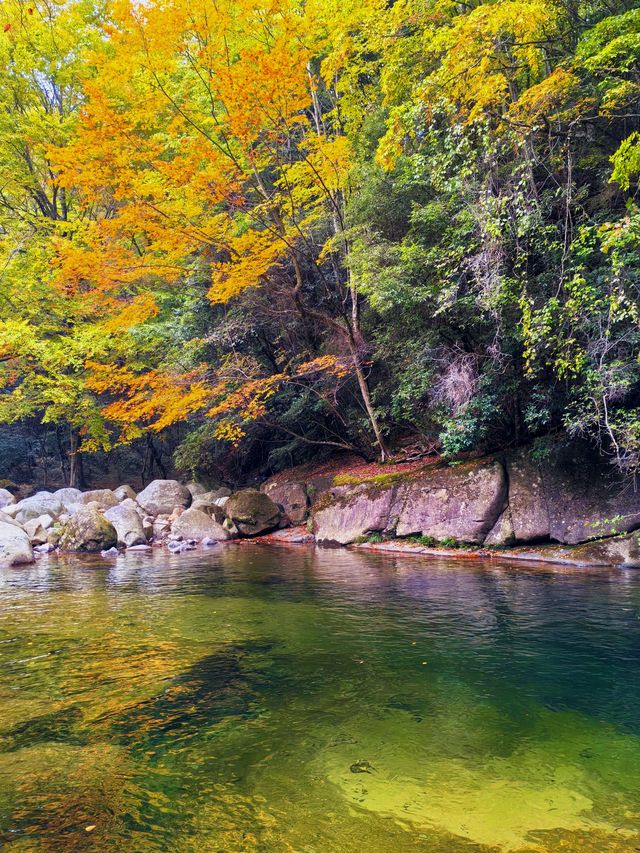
x: 221, y: 702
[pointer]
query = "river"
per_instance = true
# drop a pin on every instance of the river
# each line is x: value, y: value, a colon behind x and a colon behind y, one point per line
x: 265, y: 698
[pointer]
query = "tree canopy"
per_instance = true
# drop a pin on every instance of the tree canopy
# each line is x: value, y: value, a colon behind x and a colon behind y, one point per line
x: 287, y: 227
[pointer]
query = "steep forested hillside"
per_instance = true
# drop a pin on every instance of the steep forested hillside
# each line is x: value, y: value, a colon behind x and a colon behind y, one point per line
x: 261, y: 230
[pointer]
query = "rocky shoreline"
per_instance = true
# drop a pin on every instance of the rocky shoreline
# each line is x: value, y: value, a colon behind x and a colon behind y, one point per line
x: 568, y: 510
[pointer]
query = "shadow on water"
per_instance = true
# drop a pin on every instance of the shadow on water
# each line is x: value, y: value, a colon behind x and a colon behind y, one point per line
x: 213, y: 689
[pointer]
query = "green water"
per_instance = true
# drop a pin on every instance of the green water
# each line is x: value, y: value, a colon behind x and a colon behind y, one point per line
x: 217, y: 702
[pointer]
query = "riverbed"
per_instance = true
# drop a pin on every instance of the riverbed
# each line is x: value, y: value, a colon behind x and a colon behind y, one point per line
x: 298, y: 699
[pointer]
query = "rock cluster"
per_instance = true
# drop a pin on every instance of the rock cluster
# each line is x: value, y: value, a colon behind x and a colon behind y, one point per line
x: 102, y: 520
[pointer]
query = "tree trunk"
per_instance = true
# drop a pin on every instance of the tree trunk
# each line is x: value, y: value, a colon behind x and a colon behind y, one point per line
x: 74, y: 468
x: 354, y: 337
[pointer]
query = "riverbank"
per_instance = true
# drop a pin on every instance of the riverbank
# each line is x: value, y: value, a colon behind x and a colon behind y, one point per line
x: 568, y: 509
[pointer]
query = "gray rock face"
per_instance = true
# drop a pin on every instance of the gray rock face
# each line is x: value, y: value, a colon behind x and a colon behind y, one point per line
x: 352, y: 512
x: 571, y: 497
x: 252, y: 512
x: 528, y: 508
x: 88, y: 530
x: 127, y: 523
x: 292, y: 497
x: 125, y: 492
x: 195, y: 524
x: 6, y: 498
x: 502, y: 531
x: 5, y: 518
x: 160, y: 497
x: 462, y: 502
x: 42, y: 503
x: 105, y: 498
x: 15, y: 547
x: 68, y: 496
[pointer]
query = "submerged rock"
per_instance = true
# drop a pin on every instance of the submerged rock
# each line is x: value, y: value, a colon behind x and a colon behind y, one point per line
x: 162, y: 496
x: 87, y: 530
x: 252, y: 512
x: 15, y: 547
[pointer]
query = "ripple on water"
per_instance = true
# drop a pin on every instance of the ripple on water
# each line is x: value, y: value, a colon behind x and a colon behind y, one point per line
x: 222, y: 702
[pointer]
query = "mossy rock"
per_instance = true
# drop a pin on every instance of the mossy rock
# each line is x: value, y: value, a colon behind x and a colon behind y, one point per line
x: 252, y: 512
x: 88, y: 530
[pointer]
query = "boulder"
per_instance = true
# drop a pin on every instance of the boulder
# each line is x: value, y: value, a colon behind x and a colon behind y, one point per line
x: 528, y: 508
x: 195, y: 524
x: 347, y: 513
x: 252, y: 512
x: 127, y: 523
x: 125, y: 492
x: 292, y: 497
x: 68, y: 496
x: 5, y: 518
x: 196, y: 489
x: 6, y: 498
x: 42, y: 503
x: 204, y: 504
x: 571, y: 496
x: 15, y: 547
x: 461, y: 502
x: 502, y: 531
x: 105, y: 498
x: 87, y: 530
x: 37, y: 529
x: 161, y: 496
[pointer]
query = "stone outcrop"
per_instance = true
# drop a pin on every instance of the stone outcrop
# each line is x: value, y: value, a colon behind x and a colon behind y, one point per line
x: 197, y: 525
x: 160, y: 497
x: 88, y: 530
x: 37, y: 529
x: 571, y: 496
x: 347, y: 513
x: 125, y: 517
x: 252, y: 512
x: 292, y: 497
x: 461, y: 503
x: 15, y: 547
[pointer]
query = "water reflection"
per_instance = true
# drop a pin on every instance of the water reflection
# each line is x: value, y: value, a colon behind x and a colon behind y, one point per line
x: 219, y: 701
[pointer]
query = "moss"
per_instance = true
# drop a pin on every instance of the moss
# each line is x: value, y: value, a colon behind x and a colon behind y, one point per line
x: 378, y: 481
